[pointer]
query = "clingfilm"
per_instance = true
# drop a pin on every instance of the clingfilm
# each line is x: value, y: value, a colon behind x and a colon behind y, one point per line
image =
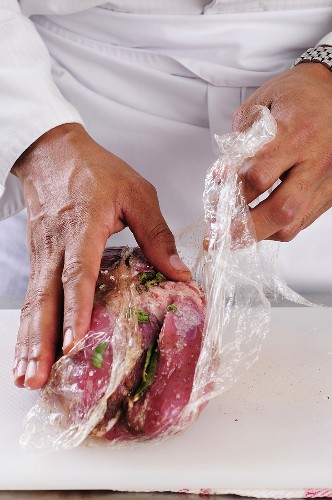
x: 157, y: 351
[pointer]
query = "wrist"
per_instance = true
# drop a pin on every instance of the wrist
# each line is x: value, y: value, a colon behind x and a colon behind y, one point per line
x: 321, y: 54
x: 50, y: 144
x: 316, y: 74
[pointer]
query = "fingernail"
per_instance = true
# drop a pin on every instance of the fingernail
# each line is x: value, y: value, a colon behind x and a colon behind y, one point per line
x: 177, y: 264
x: 21, y: 369
x: 31, y: 371
x: 67, y: 339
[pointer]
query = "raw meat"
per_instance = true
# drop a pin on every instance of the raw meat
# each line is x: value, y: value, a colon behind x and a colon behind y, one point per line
x: 132, y: 375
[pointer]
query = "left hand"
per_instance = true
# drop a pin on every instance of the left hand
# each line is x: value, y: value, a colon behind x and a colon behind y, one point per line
x: 301, y: 154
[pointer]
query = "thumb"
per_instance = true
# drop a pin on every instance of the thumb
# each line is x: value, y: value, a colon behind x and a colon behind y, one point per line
x: 155, y: 238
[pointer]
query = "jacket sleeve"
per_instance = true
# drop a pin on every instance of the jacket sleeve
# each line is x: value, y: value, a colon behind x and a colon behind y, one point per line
x: 30, y: 102
x: 327, y: 40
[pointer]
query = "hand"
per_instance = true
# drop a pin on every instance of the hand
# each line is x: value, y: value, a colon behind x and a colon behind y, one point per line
x: 77, y: 195
x: 300, y: 156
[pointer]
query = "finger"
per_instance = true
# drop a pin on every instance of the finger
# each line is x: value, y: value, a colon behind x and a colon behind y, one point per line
x: 259, y: 173
x: 272, y: 161
x: 79, y: 276
x: 153, y: 235
x: 284, y: 204
x: 22, y: 348
x: 45, y: 329
x: 245, y: 116
x: 39, y: 329
x: 311, y: 211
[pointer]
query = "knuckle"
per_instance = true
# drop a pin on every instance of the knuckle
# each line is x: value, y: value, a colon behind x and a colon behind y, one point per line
x: 246, y: 115
x: 25, y: 310
x: 73, y: 272
x: 37, y: 297
x: 22, y: 346
x: 73, y: 319
x: 286, y: 212
x: 240, y: 118
x: 22, y: 341
x: 160, y: 232
x: 258, y: 178
x: 40, y: 296
x: 41, y: 351
x: 281, y: 214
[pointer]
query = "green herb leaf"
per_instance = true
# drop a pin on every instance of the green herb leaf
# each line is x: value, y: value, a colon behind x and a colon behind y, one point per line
x: 150, y: 278
x: 171, y: 307
x: 149, y: 370
x: 98, y: 355
x: 146, y: 276
x: 157, y: 279
x: 142, y: 316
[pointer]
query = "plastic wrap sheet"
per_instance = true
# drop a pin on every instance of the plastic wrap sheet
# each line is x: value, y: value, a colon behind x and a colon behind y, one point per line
x: 129, y: 384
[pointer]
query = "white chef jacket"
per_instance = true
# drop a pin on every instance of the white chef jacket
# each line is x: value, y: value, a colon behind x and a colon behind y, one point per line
x: 33, y: 103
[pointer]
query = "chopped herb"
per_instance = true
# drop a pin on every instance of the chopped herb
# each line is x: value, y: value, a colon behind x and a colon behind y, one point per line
x: 149, y: 370
x: 142, y: 316
x: 171, y: 307
x: 146, y: 276
x: 150, y: 278
x: 157, y: 279
x: 98, y: 355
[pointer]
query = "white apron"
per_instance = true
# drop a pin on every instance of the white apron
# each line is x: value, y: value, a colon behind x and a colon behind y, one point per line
x: 153, y: 89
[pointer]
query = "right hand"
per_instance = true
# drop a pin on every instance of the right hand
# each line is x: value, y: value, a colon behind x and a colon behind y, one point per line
x: 77, y: 195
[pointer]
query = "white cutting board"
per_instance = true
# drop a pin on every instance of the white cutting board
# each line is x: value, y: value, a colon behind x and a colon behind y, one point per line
x: 273, y: 430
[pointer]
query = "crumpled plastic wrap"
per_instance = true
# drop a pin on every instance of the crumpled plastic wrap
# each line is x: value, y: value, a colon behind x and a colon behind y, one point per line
x: 158, y: 351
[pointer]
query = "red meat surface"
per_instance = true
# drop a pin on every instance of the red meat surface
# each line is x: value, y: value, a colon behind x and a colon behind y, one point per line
x: 179, y: 347
x: 157, y: 326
